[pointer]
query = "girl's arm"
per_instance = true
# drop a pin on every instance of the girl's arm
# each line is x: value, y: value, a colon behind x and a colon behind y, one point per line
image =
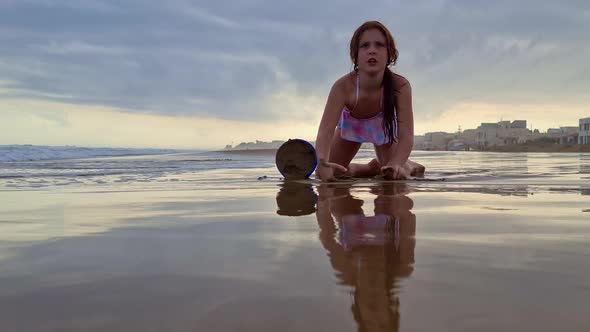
x: 334, y: 105
x: 405, y: 122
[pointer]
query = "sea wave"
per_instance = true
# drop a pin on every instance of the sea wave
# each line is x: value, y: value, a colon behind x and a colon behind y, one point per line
x: 17, y: 153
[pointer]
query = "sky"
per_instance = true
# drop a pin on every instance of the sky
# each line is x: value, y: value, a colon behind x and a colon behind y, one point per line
x: 204, y: 74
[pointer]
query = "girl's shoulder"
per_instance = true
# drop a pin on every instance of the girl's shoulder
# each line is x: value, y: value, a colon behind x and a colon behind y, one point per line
x: 346, y: 83
x: 400, y: 82
x: 347, y: 79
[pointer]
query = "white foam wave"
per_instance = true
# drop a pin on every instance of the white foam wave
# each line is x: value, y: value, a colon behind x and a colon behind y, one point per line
x: 15, y: 153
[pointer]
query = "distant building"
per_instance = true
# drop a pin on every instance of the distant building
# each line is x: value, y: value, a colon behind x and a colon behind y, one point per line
x: 584, y: 135
x: 457, y: 144
x: 564, y: 135
x: 518, y: 124
x: 486, y: 135
x: 554, y: 132
x: 569, y: 135
x: 531, y: 136
x: 437, y: 140
x: 469, y: 138
x: 500, y: 133
x: 258, y: 145
x: 419, y: 142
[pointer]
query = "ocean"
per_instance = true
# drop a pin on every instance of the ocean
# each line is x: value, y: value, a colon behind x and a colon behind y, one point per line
x: 25, y: 167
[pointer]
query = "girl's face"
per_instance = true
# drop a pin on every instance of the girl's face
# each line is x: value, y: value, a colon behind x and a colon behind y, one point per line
x: 372, y: 54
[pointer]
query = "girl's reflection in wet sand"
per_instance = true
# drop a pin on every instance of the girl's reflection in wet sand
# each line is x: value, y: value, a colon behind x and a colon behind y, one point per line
x: 369, y: 253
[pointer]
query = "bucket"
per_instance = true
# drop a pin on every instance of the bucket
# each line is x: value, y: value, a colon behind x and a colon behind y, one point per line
x: 296, y: 159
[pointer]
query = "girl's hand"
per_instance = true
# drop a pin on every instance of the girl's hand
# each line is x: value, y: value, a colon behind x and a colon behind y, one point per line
x: 394, y: 172
x: 325, y: 170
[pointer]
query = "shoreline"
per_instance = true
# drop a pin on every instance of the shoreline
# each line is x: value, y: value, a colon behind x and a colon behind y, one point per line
x: 249, y: 151
x: 541, y: 148
x: 545, y: 147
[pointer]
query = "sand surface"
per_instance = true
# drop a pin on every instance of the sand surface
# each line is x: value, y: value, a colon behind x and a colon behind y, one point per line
x: 228, y: 252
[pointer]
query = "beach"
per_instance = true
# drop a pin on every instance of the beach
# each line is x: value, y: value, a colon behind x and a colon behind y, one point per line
x: 211, y: 241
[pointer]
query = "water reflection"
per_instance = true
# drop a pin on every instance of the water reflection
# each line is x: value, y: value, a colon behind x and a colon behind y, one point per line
x: 296, y: 199
x: 369, y: 253
x: 585, y: 174
x: 584, y: 164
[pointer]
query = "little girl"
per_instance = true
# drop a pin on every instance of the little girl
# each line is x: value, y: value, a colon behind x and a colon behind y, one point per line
x: 369, y: 104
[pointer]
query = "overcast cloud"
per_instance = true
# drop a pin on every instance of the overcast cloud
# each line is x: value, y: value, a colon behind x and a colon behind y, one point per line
x: 223, y: 59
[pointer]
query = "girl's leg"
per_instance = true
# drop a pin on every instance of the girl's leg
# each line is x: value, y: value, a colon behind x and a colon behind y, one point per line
x: 415, y: 168
x: 342, y: 152
x: 387, y: 152
x: 365, y: 170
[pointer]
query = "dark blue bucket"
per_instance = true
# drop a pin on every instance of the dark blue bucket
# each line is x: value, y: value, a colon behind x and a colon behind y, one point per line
x: 296, y: 159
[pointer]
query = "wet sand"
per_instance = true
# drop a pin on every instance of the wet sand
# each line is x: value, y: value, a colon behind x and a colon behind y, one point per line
x: 542, y: 147
x: 508, y: 148
x: 261, y: 256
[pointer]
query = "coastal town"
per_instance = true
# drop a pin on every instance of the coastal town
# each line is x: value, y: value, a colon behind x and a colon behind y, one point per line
x: 499, y: 136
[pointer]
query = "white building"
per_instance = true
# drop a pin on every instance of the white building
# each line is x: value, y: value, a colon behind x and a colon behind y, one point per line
x: 565, y: 135
x: 569, y: 135
x: 469, y: 137
x: 487, y: 135
x: 500, y: 133
x: 437, y: 140
x: 584, y: 136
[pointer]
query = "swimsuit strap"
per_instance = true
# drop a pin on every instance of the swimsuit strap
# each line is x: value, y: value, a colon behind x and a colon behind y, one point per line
x: 358, y: 88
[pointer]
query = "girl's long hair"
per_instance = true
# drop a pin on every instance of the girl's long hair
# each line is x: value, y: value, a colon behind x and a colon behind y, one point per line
x: 389, y: 111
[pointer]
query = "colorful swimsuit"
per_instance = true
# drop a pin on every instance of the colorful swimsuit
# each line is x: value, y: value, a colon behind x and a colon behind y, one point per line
x: 364, y: 130
x: 358, y: 230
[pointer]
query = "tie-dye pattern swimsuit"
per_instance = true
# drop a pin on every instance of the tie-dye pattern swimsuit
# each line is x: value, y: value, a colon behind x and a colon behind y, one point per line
x: 364, y: 130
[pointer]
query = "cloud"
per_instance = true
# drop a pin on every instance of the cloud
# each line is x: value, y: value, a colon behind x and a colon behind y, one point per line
x: 470, y: 115
x: 238, y: 61
x: 89, y: 5
x: 56, y: 123
x: 205, y: 16
x: 77, y: 48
